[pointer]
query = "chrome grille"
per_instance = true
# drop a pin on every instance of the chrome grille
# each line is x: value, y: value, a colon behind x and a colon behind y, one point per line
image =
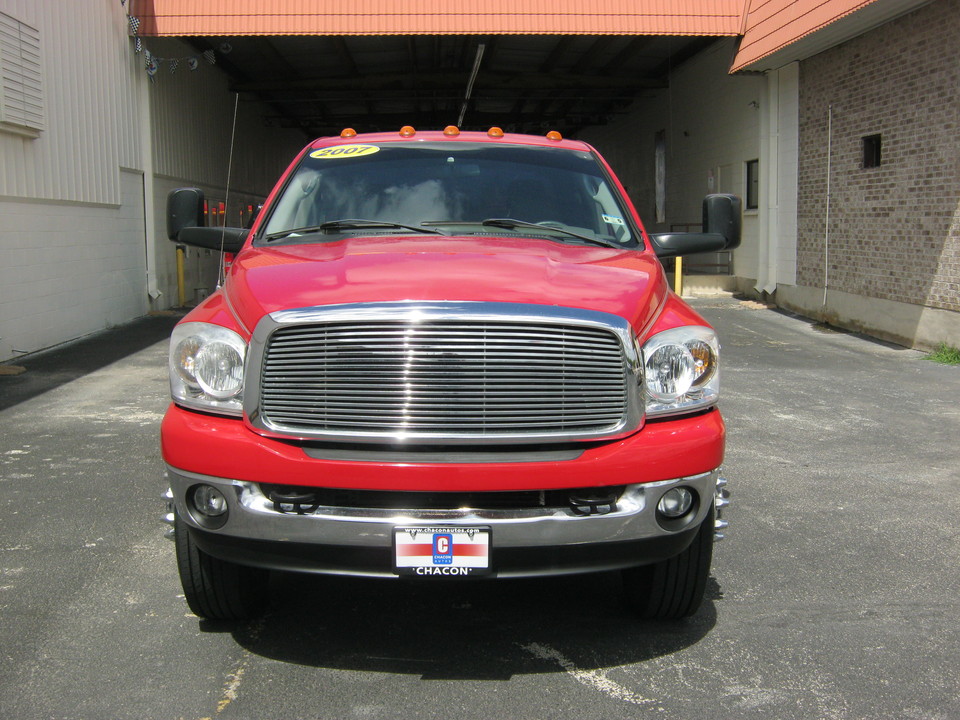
x: 444, y: 378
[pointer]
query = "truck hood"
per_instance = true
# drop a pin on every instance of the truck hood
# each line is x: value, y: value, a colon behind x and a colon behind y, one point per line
x: 389, y: 269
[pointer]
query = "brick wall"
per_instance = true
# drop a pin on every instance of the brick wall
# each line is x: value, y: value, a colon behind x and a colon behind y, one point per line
x: 894, y: 230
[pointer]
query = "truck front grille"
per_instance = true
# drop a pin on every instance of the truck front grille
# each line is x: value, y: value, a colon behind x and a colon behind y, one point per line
x: 450, y: 378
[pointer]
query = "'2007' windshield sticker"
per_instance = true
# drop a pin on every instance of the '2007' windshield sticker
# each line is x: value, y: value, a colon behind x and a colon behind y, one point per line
x: 344, y: 151
x: 611, y: 220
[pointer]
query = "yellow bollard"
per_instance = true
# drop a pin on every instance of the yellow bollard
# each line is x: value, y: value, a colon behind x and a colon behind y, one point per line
x: 181, y: 285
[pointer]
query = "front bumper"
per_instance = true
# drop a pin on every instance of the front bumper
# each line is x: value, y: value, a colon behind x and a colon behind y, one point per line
x: 526, y: 541
x: 225, y: 447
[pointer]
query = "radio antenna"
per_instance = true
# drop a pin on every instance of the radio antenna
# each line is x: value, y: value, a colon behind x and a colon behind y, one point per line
x: 473, y: 77
x: 221, y: 278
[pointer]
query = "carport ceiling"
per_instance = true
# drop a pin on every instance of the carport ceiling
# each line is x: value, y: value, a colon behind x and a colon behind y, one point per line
x: 523, y: 83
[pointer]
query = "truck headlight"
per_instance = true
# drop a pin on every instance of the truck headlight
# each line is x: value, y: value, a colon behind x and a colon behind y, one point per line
x: 206, y: 367
x: 681, y: 369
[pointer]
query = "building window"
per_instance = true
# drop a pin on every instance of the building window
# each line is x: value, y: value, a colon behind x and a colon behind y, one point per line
x: 871, y: 151
x: 21, y: 92
x: 753, y: 185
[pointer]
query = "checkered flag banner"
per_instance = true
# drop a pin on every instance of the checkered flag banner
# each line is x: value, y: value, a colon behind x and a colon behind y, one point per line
x: 134, y: 24
x: 210, y: 56
x: 174, y: 64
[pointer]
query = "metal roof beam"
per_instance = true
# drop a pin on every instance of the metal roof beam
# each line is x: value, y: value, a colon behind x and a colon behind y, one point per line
x: 486, y: 79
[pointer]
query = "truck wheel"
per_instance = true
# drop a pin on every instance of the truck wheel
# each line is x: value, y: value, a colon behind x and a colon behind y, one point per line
x: 216, y: 589
x: 673, y: 588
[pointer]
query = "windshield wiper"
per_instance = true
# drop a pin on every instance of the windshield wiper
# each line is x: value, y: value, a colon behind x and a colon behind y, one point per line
x: 547, y: 226
x: 351, y: 224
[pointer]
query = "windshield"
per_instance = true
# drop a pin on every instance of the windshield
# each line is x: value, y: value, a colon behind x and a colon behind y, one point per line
x: 449, y: 188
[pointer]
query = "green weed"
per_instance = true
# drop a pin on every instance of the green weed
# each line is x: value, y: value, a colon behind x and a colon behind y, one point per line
x: 945, y: 354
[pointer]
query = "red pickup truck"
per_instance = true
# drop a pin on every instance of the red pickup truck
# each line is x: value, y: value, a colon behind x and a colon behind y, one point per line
x: 442, y: 355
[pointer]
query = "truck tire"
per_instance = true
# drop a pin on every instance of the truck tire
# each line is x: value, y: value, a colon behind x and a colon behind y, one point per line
x: 673, y: 588
x: 216, y: 589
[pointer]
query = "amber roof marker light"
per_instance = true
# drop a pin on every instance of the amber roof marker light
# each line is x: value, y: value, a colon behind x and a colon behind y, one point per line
x: 451, y: 131
x: 348, y: 133
x: 407, y: 131
x: 495, y: 132
x: 554, y: 135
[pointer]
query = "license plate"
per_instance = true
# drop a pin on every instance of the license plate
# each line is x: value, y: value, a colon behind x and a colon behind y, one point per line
x: 441, y: 551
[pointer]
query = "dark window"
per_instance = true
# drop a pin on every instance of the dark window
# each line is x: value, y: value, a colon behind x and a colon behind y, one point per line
x: 871, y: 151
x: 753, y: 184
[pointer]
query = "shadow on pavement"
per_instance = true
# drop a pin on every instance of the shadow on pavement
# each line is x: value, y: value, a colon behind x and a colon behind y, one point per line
x: 52, y: 368
x: 462, y: 630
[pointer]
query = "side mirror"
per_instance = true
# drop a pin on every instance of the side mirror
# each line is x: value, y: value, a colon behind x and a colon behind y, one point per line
x: 185, y: 224
x: 184, y: 209
x: 221, y: 239
x: 721, y: 214
x: 721, y: 230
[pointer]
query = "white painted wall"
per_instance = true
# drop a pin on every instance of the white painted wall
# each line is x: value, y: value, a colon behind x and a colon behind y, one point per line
x: 779, y: 168
x: 712, y: 121
x: 71, y: 210
x: 88, y: 81
x: 78, y: 254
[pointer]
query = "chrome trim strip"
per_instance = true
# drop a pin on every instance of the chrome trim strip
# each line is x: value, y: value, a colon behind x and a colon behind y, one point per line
x: 252, y: 516
x: 168, y: 516
x: 413, y: 312
x: 369, y: 453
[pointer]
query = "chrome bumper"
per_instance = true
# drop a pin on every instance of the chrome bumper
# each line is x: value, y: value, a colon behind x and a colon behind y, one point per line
x: 252, y: 518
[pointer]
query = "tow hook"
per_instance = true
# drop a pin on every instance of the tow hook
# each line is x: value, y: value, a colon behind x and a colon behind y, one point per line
x: 299, y: 503
x: 598, y: 503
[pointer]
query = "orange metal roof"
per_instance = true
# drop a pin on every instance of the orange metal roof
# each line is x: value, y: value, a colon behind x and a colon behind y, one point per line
x: 436, y: 17
x: 770, y: 25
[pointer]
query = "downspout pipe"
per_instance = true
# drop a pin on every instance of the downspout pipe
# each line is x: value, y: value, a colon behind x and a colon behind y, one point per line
x: 146, y: 160
x: 826, y: 222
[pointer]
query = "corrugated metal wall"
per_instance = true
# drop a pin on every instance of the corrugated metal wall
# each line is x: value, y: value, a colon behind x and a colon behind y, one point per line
x: 91, y: 124
x: 191, y: 114
x: 192, y: 117
x: 81, y: 250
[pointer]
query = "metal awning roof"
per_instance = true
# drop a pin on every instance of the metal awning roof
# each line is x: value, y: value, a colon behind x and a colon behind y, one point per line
x: 432, y: 17
x: 529, y: 65
x: 525, y: 65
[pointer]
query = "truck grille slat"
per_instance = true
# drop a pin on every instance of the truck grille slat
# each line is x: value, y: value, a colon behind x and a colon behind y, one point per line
x: 441, y: 376
x: 464, y: 402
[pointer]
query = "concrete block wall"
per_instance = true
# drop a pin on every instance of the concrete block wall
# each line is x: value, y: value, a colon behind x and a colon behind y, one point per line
x: 894, y: 230
x: 69, y: 269
x: 72, y: 258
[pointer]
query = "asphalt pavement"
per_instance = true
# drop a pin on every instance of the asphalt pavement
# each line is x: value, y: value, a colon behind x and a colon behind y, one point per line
x: 835, y: 594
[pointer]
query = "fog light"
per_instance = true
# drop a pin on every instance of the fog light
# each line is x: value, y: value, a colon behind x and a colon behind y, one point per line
x: 209, y: 501
x: 676, y: 502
